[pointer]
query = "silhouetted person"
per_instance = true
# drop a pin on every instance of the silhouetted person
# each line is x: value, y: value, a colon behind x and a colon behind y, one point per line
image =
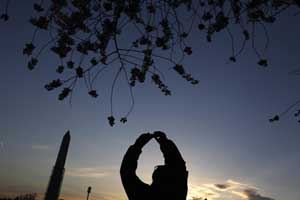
x: 169, y: 181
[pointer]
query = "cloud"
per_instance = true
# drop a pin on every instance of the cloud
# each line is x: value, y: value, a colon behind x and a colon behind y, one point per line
x: 239, y: 194
x: 202, y: 192
x: 237, y: 184
x: 222, y: 186
x: 197, y: 198
x: 219, y: 186
x: 228, y: 190
x: 252, y: 194
x: 87, y: 172
x: 39, y: 147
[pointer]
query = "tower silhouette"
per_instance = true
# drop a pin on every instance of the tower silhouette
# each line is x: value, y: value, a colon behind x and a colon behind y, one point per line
x: 57, y: 175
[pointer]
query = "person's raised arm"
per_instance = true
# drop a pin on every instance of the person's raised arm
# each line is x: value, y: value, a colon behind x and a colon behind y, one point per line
x: 129, y: 163
x: 175, y: 164
x: 170, y: 152
x: 133, y: 186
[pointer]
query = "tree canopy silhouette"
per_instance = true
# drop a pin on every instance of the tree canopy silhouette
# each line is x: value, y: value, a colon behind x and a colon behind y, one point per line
x: 30, y: 196
x: 87, y: 36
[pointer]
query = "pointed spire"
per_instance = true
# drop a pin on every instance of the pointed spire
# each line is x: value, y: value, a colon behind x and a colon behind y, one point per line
x: 67, y: 135
x: 57, y: 175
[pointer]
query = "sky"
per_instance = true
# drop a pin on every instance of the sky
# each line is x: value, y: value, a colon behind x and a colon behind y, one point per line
x: 220, y: 126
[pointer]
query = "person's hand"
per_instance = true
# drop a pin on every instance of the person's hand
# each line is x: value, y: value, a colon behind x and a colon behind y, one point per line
x: 143, y: 139
x: 159, y: 136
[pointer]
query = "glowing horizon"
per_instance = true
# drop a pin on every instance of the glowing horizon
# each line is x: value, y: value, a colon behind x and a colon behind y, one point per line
x: 220, y: 126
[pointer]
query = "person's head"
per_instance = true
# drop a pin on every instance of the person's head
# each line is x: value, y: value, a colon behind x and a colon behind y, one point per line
x: 161, y: 174
x: 164, y: 180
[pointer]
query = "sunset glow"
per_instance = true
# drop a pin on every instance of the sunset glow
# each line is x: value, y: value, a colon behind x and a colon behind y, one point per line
x: 221, y: 126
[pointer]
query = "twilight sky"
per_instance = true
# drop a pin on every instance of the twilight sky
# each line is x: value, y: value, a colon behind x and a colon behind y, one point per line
x: 220, y: 126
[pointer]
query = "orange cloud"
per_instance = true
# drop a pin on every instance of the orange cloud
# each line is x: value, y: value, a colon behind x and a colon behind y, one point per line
x: 230, y: 189
x: 87, y: 172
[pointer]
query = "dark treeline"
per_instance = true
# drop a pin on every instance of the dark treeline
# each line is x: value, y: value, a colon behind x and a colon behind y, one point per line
x: 31, y: 196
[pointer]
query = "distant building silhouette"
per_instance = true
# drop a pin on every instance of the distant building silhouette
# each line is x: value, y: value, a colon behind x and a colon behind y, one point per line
x: 57, y: 175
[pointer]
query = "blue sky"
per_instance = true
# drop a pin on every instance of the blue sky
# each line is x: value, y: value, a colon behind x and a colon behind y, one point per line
x: 221, y: 125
